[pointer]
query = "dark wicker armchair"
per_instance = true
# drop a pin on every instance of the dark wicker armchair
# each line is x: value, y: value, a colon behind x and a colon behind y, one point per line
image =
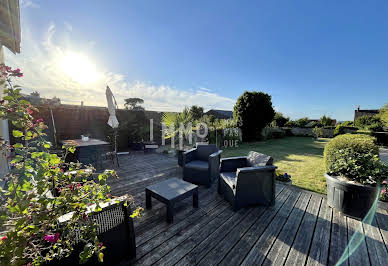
x: 202, y: 164
x: 248, y: 180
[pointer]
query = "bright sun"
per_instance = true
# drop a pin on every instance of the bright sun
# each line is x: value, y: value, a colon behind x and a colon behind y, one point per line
x: 79, y: 68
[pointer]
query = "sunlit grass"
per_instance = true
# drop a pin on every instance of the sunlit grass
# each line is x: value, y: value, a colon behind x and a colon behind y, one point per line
x: 301, y: 157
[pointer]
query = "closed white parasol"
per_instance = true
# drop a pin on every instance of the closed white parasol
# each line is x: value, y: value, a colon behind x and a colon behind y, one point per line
x: 113, y: 122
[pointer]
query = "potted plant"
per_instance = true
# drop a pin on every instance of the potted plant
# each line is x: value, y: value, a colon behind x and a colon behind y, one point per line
x: 353, y: 172
x: 41, y: 188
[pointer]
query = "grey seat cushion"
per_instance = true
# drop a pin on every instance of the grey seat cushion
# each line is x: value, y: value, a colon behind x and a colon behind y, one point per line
x: 229, y: 178
x: 258, y: 159
x: 204, y: 151
x: 198, y: 165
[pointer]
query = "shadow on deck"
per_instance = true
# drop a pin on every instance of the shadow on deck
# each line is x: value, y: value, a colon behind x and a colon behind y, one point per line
x: 300, y: 229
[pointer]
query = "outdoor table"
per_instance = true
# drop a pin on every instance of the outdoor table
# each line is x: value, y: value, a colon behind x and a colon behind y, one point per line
x: 169, y: 192
x: 87, y: 152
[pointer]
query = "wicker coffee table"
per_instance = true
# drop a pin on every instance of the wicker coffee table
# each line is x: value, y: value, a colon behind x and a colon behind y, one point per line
x: 169, y: 192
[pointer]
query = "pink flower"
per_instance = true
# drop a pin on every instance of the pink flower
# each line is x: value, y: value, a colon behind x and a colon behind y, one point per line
x: 383, y: 191
x: 385, y: 182
x: 29, y: 111
x: 100, y: 244
x: 17, y: 70
x: 40, y: 120
x: 79, y: 185
x: 70, y: 186
x: 52, y: 238
x: 3, y: 238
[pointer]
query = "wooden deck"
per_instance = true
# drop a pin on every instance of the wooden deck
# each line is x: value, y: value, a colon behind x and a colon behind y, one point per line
x: 300, y: 229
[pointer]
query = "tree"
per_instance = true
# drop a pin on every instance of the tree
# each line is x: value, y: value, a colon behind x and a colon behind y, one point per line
x: 302, y: 122
x: 252, y: 112
x: 134, y: 104
x: 279, y: 120
x: 326, y: 121
x: 196, y: 112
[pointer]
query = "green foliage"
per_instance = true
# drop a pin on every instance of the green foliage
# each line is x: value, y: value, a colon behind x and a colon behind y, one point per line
x: 348, y: 124
x: 134, y: 104
x: 383, y: 115
x: 339, y: 130
x: 355, y: 157
x: 252, y: 112
x: 302, y: 122
x: 279, y: 120
x: 291, y: 123
x: 369, y: 122
x: 318, y: 132
x: 40, y: 188
x: 196, y: 112
x: 326, y: 121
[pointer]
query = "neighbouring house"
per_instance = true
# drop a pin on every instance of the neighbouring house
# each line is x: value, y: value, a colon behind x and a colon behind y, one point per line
x: 35, y: 99
x: 359, y: 112
x: 10, y: 37
x: 220, y: 114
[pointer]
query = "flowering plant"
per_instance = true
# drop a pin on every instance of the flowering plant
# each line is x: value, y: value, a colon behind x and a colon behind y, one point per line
x: 283, y: 177
x: 41, y: 188
x: 384, y: 191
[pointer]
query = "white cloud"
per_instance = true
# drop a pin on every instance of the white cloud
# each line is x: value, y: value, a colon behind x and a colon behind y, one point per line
x: 40, y: 61
x: 28, y: 3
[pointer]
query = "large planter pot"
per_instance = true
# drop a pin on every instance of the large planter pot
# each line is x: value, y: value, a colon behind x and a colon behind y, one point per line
x: 354, y: 200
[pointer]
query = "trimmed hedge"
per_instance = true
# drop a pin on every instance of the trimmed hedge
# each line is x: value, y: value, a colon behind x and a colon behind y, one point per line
x: 355, y: 157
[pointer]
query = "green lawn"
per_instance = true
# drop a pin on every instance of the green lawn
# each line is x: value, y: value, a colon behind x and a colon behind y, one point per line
x: 301, y: 157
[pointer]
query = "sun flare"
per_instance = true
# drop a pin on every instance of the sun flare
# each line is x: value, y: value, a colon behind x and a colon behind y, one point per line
x: 79, y: 68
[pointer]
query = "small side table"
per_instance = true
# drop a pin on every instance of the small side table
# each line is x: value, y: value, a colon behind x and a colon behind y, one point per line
x: 169, y: 192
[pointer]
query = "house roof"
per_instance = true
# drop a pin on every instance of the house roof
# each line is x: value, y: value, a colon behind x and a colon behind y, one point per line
x: 221, y: 114
x: 10, y: 35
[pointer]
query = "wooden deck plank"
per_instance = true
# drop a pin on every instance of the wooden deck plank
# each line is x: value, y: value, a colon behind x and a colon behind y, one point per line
x: 339, y: 238
x: 382, y: 221
x: 156, y: 223
x: 279, y: 251
x: 247, y: 239
x: 155, y: 230
x: 300, y: 248
x: 377, y: 252
x: 214, y: 234
x: 319, y: 251
x: 195, y: 254
x: 259, y: 251
x: 182, y: 232
x: 360, y: 255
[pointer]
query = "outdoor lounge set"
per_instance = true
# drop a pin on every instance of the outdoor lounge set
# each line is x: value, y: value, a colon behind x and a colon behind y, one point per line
x: 243, y: 181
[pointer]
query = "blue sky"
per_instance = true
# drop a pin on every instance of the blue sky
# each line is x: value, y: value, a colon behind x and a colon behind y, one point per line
x: 313, y: 57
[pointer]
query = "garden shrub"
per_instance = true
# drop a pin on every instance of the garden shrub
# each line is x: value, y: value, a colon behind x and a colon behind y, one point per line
x: 253, y: 111
x: 355, y: 157
x: 302, y: 122
x: 318, y: 132
x: 279, y: 120
x: 369, y: 122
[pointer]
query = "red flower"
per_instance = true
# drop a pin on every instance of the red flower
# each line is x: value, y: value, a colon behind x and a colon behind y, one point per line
x: 30, y: 111
x: 79, y: 185
x: 3, y: 238
x: 52, y: 238
x: 100, y: 244
x: 70, y: 186
x: 40, y: 120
